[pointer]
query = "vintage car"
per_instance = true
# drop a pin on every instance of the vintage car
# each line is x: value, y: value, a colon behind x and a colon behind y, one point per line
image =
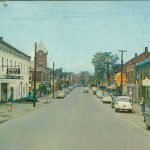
x: 61, y: 94
x: 85, y: 90
x: 147, y: 119
x: 99, y: 94
x: 106, y: 98
x: 123, y: 103
x: 94, y: 90
x: 30, y: 97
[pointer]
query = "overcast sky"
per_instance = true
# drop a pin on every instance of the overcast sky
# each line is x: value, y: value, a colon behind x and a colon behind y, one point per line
x: 73, y: 32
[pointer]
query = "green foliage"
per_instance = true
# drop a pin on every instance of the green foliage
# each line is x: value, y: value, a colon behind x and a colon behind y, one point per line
x: 84, y: 76
x: 101, y: 61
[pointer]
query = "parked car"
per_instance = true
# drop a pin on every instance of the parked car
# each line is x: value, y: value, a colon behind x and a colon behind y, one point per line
x: 61, y: 94
x: 99, y: 94
x: 123, y: 103
x: 30, y: 97
x: 106, y: 99
x: 147, y: 119
x: 66, y: 91
x: 113, y: 101
x: 86, y: 90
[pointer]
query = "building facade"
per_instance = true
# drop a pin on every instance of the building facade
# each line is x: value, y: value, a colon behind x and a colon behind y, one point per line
x: 142, y: 73
x: 14, y: 72
x: 130, y: 70
x: 43, y: 72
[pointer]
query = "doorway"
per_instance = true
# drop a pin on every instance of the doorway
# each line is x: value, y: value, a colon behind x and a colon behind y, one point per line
x: 4, y: 92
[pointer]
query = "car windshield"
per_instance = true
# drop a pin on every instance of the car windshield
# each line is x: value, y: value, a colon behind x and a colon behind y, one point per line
x: 106, y: 94
x: 99, y: 92
x: 124, y: 99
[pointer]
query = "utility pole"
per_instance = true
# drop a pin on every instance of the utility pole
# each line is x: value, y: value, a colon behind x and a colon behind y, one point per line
x: 34, y: 76
x: 108, y: 74
x: 53, y: 80
x: 50, y: 78
x: 121, y: 84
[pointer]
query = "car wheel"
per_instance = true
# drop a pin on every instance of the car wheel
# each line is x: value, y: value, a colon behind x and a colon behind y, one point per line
x: 130, y: 111
x: 147, y: 126
x: 116, y: 109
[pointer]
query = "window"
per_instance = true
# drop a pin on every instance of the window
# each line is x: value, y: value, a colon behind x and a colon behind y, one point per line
x: 146, y: 72
x: 21, y: 69
x: 27, y: 69
x: 7, y: 63
x: 2, y: 63
x: 128, y: 75
x: 131, y: 74
x: 11, y: 63
x: 24, y: 68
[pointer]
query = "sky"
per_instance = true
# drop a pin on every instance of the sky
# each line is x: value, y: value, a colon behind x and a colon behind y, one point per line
x: 74, y: 31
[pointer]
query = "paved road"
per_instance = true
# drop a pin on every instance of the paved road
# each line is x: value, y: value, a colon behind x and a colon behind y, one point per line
x: 78, y: 122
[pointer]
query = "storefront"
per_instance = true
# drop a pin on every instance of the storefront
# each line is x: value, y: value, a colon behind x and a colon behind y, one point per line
x: 14, y: 72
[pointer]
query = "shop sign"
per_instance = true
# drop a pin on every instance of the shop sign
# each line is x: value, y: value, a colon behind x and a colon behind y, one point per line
x: 146, y: 82
x: 118, y: 78
x: 12, y: 77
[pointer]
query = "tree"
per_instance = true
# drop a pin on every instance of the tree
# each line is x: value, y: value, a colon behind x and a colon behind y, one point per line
x: 101, y: 62
x: 84, y: 77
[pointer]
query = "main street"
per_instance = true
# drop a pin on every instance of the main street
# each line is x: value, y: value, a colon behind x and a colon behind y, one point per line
x: 80, y: 121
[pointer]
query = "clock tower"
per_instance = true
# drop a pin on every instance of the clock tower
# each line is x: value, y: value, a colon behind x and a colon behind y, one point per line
x: 41, y: 56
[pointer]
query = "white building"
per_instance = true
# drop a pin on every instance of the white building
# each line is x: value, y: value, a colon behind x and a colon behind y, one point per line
x: 14, y: 72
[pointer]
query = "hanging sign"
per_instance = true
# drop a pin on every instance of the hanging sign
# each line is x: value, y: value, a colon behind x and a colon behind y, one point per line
x: 118, y: 78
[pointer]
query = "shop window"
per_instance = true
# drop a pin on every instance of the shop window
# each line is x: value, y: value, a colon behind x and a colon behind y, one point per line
x: 131, y: 74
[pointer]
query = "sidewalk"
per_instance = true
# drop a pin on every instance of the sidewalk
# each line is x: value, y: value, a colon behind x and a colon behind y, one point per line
x: 21, y: 109
x: 137, y: 109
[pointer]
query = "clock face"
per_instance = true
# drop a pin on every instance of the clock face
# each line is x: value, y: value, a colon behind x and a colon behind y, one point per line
x: 40, y: 52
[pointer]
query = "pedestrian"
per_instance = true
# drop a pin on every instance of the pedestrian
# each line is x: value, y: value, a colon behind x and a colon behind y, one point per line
x: 142, y: 103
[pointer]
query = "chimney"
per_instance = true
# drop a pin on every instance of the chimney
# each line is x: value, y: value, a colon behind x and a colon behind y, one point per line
x: 146, y: 49
x: 1, y: 38
x: 136, y: 54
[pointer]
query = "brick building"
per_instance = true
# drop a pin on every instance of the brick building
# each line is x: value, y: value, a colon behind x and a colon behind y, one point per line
x: 130, y: 70
x: 43, y: 72
x: 143, y: 72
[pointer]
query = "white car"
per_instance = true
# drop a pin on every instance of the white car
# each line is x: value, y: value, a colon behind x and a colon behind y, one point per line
x: 99, y: 94
x: 123, y: 103
x: 85, y: 90
x: 106, y: 99
x: 61, y: 94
